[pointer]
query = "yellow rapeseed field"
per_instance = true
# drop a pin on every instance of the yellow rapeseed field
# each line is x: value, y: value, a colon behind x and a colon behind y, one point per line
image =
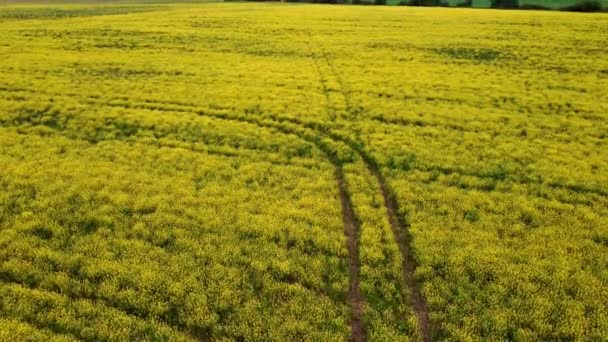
x: 245, y: 171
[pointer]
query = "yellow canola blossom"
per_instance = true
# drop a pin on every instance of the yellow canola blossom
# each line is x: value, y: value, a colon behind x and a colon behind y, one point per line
x: 168, y: 171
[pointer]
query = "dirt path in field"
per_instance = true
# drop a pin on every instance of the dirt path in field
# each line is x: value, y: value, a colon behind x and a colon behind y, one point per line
x: 351, y: 226
x: 398, y: 224
x: 403, y: 238
x: 351, y: 230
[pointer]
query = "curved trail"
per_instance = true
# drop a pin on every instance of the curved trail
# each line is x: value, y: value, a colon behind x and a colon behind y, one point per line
x: 398, y: 223
x: 351, y: 227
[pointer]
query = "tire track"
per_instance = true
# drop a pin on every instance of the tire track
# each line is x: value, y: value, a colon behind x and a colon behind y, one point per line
x: 332, y: 114
x: 351, y: 226
x: 176, y: 106
x: 345, y: 94
x: 398, y: 223
x: 403, y: 238
x: 337, y: 104
x: 399, y: 226
x: 351, y: 230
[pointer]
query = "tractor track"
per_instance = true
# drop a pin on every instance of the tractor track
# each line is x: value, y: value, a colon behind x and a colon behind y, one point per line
x: 399, y: 226
x: 351, y: 225
x: 351, y: 228
x: 403, y: 238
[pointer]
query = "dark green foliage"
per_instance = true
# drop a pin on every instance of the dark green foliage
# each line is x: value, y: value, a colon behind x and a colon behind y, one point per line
x: 505, y: 3
x: 43, y: 233
x: 472, y: 54
x: 41, y: 116
x: 471, y: 215
x: 584, y: 6
x: 424, y: 3
x: 405, y: 162
x: 533, y: 7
